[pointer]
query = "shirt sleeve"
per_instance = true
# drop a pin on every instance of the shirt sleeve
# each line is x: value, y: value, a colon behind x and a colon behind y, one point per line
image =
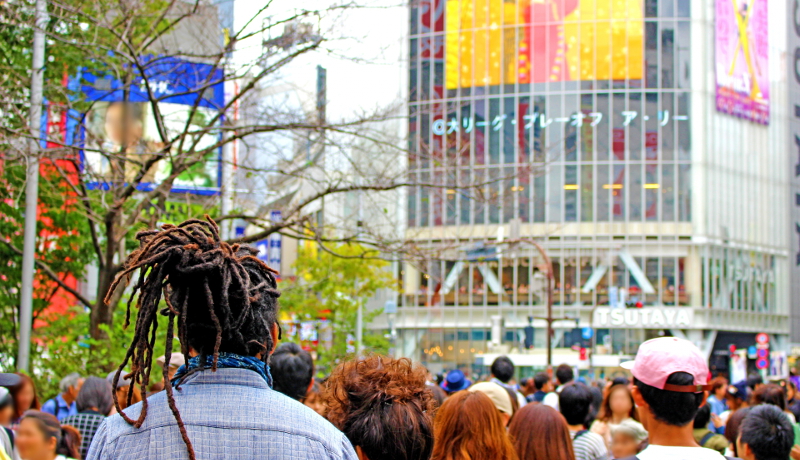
x: 50, y: 407
x: 99, y: 450
x: 348, y: 452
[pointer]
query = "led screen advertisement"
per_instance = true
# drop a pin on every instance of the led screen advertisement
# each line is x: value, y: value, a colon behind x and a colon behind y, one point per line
x: 742, y: 59
x: 120, y: 131
x: 493, y: 42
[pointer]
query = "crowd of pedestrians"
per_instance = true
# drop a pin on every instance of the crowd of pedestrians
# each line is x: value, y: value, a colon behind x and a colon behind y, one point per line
x: 233, y: 392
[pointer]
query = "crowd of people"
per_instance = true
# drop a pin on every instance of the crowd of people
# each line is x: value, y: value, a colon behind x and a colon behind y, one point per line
x: 233, y: 392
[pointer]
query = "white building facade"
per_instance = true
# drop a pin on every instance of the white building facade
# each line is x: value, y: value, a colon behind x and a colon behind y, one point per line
x: 601, y: 130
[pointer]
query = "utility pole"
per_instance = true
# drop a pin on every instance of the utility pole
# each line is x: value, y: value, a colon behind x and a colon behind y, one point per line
x: 32, y: 188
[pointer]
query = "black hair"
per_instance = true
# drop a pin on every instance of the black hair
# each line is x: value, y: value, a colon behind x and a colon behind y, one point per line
x: 292, y: 370
x: 768, y: 432
x: 769, y: 394
x: 222, y: 297
x: 620, y: 381
x: 503, y: 369
x: 671, y: 407
x: 95, y: 392
x: 7, y: 401
x: 753, y: 380
x: 702, y: 417
x: 575, y: 402
x: 540, y: 380
x: 597, y: 401
x: 564, y: 374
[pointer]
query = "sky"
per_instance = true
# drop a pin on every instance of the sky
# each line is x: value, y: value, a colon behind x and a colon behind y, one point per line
x: 363, y: 54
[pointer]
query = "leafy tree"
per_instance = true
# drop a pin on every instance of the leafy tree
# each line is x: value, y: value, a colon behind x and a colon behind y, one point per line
x: 331, y: 286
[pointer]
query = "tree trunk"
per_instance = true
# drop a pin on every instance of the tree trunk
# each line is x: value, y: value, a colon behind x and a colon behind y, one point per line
x: 102, y: 313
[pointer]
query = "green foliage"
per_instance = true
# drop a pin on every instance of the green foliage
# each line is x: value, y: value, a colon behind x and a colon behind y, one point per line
x: 330, y: 287
x: 65, y: 347
x: 63, y: 243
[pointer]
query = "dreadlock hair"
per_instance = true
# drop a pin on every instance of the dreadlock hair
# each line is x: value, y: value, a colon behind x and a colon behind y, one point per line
x: 222, y: 297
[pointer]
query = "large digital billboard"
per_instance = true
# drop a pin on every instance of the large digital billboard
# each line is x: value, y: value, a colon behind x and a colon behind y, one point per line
x: 742, y: 59
x: 121, y: 133
x: 493, y: 42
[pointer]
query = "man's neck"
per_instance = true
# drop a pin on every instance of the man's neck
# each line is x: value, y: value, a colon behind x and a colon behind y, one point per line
x: 67, y: 399
x: 662, y: 434
x: 576, y: 427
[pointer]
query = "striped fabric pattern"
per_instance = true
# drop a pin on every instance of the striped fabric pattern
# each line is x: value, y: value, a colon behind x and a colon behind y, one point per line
x: 589, y: 446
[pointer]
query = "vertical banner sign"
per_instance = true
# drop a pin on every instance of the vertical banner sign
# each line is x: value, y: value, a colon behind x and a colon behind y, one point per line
x: 793, y: 52
x: 275, y: 243
x: 742, y: 59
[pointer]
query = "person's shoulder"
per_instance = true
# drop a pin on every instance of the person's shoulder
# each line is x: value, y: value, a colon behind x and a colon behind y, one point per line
x: 592, y: 439
x: 253, y: 410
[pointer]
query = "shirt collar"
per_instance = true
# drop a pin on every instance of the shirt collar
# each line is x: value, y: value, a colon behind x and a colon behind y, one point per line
x: 226, y: 376
x: 61, y: 403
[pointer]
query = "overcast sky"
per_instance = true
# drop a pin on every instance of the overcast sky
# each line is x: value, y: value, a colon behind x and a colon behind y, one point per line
x: 363, y: 52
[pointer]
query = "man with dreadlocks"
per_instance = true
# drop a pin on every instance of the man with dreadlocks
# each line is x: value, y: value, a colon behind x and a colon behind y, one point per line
x: 220, y: 404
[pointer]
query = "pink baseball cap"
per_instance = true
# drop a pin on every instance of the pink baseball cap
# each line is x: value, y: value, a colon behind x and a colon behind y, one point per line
x: 657, y: 359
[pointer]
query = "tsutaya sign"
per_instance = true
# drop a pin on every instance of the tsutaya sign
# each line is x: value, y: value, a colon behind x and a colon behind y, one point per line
x: 648, y: 318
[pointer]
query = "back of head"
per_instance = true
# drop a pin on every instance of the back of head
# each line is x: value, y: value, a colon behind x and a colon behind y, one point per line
x: 768, y: 433
x: 70, y: 380
x: 771, y: 394
x: 540, y: 380
x: 670, y: 407
x: 503, y: 369
x: 221, y: 297
x: 383, y: 406
x: 95, y: 393
x: 564, y: 374
x: 631, y: 428
x: 754, y: 380
x: 68, y: 438
x: 575, y: 402
x: 733, y: 424
x: 539, y: 432
x: 717, y: 383
x: 703, y: 417
x: 292, y: 370
x: 468, y: 426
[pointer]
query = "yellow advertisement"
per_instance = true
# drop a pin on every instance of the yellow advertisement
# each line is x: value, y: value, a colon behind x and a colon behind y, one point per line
x: 493, y: 42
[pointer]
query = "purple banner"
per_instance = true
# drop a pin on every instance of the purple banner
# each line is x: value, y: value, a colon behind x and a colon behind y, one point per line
x: 742, y: 59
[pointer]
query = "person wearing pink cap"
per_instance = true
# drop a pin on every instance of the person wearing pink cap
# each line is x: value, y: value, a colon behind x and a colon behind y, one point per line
x: 670, y: 384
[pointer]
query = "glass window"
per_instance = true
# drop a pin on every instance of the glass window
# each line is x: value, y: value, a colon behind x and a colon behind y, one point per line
x: 571, y: 188
x: 684, y: 193
x: 605, y: 187
x: 539, y: 196
x: 635, y: 191
x: 602, y: 130
x: 667, y: 54
x: 652, y: 186
x: 668, y: 192
x: 556, y: 188
x: 424, y: 202
x: 587, y: 193
x: 618, y: 193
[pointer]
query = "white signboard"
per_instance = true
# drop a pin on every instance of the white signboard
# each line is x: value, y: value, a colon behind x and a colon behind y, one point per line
x: 647, y: 318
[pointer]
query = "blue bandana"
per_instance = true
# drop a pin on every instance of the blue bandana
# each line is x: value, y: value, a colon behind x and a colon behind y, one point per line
x: 227, y: 361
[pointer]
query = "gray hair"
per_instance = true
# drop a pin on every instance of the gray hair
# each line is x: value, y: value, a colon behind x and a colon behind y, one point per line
x: 631, y: 428
x: 69, y: 381
x: 95, y: 392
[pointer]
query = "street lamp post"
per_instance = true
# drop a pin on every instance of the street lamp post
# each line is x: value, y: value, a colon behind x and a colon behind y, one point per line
x: 550, y: 282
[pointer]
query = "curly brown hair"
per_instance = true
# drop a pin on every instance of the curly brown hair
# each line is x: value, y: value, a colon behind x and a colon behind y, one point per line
x: 370, y: 398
